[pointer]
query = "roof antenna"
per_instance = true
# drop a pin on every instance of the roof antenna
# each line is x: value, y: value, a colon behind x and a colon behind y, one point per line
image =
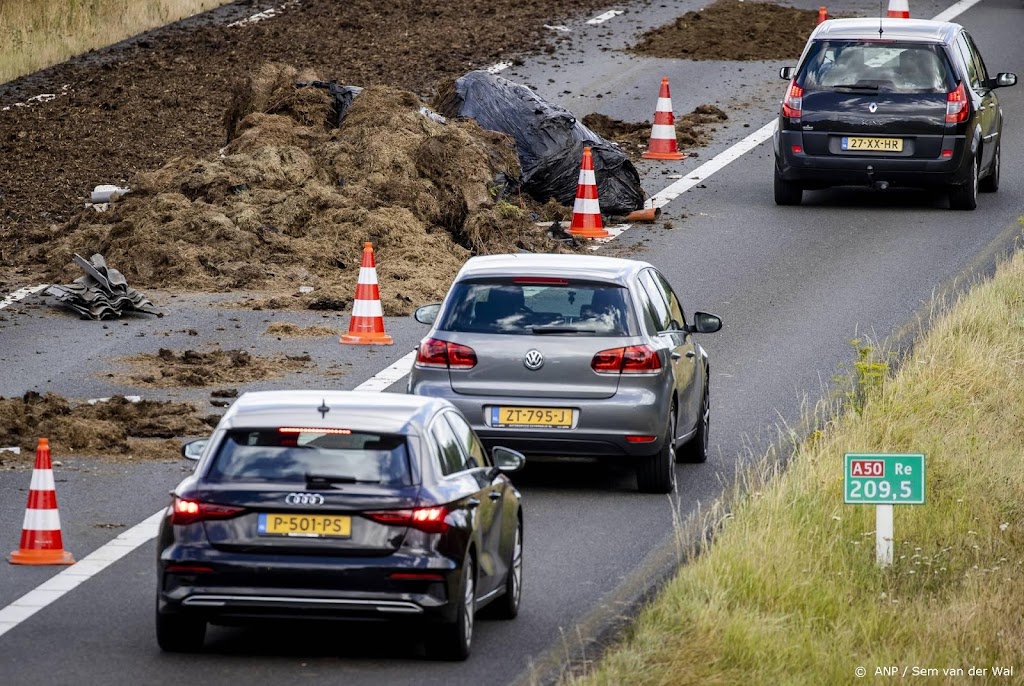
x: 323, y: 409
x: 880, y: 18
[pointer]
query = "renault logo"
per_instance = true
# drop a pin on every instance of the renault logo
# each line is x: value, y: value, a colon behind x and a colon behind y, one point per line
x: 533, y: 359
x: 873, y: 107
x: 304, y: 499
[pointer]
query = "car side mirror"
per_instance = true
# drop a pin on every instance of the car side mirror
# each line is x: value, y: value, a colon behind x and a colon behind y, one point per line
x: 427, y: 313
x: 193, y: 450
x: 506, y: 459
x: 787, y: 73
x: 705, y: 323
x: 1004, y: 79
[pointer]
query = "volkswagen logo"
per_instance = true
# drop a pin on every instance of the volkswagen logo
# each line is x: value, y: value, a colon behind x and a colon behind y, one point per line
x: 533, y: 359
x: 304, y: 499
x: 873, y: 107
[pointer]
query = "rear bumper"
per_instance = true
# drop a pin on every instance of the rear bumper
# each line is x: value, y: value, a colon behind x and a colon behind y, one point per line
x: 236, y: 587
x: 819, y: 171
x: 600, y: 431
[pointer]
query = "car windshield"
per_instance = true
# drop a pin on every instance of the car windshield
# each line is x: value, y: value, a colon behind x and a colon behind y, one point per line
x: 538, y: 307
x: 322, y: 458
x: 873, y: 66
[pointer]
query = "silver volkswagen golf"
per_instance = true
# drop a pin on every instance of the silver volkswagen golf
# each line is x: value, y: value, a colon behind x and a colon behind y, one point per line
x: 572, y: 356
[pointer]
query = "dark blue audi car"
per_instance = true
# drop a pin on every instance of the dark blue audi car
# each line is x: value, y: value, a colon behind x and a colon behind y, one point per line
x: 341, y: 505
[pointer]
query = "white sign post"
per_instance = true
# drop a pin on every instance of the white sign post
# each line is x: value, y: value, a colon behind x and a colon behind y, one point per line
x: 883, y: 534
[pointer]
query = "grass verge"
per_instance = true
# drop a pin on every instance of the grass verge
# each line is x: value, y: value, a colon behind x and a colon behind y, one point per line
x: 789, y: 592
x: 38, y: 33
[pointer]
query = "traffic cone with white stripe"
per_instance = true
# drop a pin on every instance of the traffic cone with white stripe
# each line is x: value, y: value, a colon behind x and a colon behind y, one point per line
x: 662, y: 145
x: 899, y: 9
x: 586, y: 211
x: 41, y: 542
x: 366, y: 327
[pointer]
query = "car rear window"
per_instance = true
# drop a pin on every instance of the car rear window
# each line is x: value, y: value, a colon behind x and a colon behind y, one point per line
x: 531, y: 307
x: 318, y: 457
x: 885, y: 67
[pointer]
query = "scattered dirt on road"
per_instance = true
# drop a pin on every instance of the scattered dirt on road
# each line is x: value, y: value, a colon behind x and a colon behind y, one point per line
x: 691, y: 130
x: 294, y: 330
x: 116, y: 428
x: 733, y: 30
x: 192, y: 368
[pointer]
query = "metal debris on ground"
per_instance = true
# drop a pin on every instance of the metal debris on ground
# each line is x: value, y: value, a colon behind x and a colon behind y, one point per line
x: 103, y: 293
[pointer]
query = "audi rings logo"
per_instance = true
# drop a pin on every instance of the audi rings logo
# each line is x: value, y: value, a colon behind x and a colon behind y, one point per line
x: 304, y: 499
x: 533, y: 359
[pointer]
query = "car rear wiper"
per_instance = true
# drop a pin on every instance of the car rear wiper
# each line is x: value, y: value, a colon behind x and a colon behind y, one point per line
x: 857, y: 86
x: 328, y: 480
x: 560, y: 329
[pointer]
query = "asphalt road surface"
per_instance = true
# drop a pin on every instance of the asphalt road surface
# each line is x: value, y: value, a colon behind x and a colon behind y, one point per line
x: 793, y: 285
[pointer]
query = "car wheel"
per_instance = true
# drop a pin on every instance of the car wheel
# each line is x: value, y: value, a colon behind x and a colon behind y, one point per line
x: 657, y: 473
x: 990, y: 184
x: 507, y: 606
x: 452, y: 641
x: 696, y: 449
x: 787, y: 192
x: 178, y: 634
x: 965, y: 197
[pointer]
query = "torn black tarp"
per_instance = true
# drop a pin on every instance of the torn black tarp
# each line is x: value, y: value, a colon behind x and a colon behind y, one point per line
x: 549, y: 141
x: 103, y: 293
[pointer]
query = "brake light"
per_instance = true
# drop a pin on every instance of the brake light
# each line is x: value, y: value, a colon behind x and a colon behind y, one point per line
x: 432, y: 520
x: 445, y: 355
x: 185, y: 511
x: 188, y: 569
x: 956, y: 105
x: 636, y: 359
x: 540, y: 280
x: 416, y: 576
x: 303, y: 429
x: 792, y: 105
x: 641, y: 439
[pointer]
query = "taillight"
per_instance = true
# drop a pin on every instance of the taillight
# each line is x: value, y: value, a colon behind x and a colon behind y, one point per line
x: 792, y: 105
x: 636, y: 359
x: 445, y: 355
x: 432, y: 520
x: 190, y: 511
x: 956, y: 105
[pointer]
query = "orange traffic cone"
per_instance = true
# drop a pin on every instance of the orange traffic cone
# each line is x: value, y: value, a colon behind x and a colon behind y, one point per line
x: 586, y: 211
x: 822, y: 14
x: 662, y: 145
x: 899, y: 9
x: 366, y: 326
x: 41, y: 542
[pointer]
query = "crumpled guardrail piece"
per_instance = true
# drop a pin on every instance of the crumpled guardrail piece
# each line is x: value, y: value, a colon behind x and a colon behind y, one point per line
x: 103, y: 293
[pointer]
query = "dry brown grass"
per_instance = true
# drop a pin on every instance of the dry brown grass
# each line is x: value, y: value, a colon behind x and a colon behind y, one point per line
x: 38, y: 33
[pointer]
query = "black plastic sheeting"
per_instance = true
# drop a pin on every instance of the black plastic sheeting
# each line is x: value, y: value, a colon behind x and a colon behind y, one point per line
x: 549, y: 141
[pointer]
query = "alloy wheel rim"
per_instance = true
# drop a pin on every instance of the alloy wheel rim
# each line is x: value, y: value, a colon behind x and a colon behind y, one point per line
x: 672, y: 448
x: 707, y: 418
x: 974, y: 179
x: 517, y: 567
x: 468, y: 601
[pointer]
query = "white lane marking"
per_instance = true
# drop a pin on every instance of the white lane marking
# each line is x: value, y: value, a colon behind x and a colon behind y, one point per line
x: 500, y: 66
x: 602, y: 18
x: 559, y: 27
x: 719, y: 161
x: 21, y: 294
x: 956, y: 10
x: 54, y: 588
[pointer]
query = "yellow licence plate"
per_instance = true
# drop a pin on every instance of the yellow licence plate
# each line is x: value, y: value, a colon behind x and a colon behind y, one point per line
x: 284, y: 524
x: 872, y: 144
x: 554, y: 417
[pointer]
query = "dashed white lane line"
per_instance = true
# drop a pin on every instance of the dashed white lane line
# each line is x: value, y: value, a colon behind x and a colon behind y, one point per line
x: 53, y: 589
x: 602, y: 18
x: 21, y: 294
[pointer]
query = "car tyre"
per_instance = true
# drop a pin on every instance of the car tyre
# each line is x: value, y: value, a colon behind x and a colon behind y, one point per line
x: 990, y: 184
x: 657, y: 473
x: 507, y: 606
x: 178, y: 634
x: 452, y: 641
x: 787, y: 192
x: 965, y: 196
x: 696, y: 449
